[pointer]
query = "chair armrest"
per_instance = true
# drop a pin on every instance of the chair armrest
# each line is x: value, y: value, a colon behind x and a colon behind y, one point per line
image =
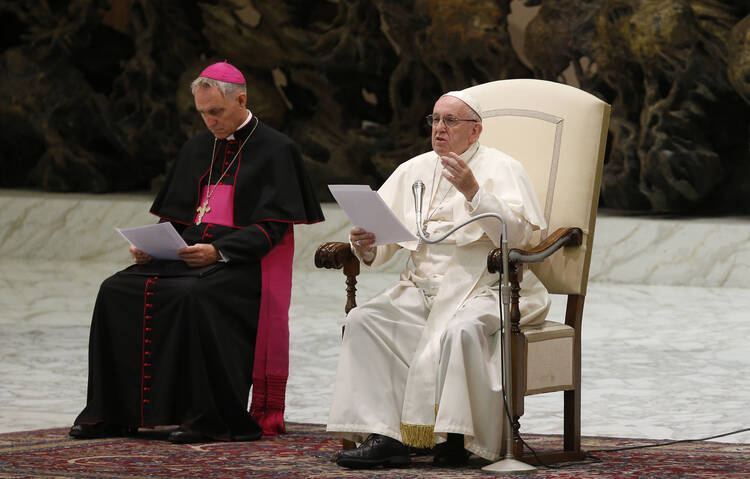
x: 560, y: 238
x: 334, y: 255
x: 338, y: 255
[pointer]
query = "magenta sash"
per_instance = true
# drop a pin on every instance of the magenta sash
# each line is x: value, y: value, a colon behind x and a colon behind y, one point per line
x: 271, y: 362
x: 271, y: 367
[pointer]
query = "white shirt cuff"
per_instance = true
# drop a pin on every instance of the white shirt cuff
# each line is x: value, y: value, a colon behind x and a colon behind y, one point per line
x: 474, y: 203
x: 223, y: 258
x: 367, y: 257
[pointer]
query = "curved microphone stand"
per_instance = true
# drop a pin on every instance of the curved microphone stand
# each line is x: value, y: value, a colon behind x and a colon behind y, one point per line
x: 508, y: 463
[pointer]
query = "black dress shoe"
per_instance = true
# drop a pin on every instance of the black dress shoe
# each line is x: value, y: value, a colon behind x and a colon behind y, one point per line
x: 451, y: 453
x: 186, y: 436
x: 98, y: 430
x: 248, y: 437
x: 377, y: 450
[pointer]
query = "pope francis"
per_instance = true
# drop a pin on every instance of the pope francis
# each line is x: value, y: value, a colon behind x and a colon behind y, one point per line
x: 419, y: 364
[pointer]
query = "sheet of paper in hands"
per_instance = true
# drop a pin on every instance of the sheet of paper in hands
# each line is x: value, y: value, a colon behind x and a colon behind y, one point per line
x: 160, y: 240
x: 367, y: 210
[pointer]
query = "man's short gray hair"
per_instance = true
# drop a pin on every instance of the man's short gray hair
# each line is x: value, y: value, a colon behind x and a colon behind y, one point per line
x: 229, y: 90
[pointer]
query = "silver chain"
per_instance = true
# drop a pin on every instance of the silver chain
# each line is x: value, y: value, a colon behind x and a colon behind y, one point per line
x: 226, y: 170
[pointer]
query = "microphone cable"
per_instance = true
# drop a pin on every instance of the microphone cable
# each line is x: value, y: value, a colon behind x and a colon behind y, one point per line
x: 590, y: 454
x: 507, y: 411
x: 669, y: 443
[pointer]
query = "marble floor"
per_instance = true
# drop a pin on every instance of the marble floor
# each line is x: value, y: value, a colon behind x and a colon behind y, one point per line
x: 660, y: 361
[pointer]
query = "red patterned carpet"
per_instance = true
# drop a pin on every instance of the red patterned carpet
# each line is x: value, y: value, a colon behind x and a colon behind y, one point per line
x: 306, y: 450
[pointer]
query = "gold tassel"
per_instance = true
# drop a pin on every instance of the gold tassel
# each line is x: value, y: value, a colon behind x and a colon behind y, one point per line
x: 418, y: 435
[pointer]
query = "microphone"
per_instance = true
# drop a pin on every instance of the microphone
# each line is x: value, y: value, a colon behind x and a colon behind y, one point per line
x: 418, y: 190
x: 505, y: 358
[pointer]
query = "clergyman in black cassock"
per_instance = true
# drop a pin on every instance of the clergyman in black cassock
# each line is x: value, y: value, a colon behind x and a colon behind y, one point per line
x: 174, y: 342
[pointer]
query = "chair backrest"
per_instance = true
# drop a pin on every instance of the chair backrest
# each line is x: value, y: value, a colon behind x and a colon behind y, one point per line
x: 558, y: 132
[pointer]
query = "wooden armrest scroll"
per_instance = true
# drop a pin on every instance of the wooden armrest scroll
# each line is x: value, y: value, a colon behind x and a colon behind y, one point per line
x: 560, y: 238
x: 334, y: 255
x: 338, y: 255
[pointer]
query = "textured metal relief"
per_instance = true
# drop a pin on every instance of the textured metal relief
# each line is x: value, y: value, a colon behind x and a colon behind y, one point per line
x: 673, y: 71
x: 97, y: 96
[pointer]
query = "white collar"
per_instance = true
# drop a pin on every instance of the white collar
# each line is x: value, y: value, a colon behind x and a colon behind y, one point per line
x: 468, y: 154
x: 470, y: 151
x: 247, y: 120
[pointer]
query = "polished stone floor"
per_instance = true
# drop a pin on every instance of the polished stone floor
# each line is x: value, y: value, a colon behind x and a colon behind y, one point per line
x: 666, y: 354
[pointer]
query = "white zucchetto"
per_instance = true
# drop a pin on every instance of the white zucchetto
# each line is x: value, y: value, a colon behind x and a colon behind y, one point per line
x: 470, y: 101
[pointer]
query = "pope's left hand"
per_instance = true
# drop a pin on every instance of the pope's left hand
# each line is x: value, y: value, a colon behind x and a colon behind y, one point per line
x: 199, y: 254
x: 458, y: 173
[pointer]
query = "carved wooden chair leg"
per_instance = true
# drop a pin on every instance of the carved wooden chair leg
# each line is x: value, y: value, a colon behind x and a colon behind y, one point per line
x: 518, y: 355
x: 351, y: 270
x: 338, y: 255
x: 572, y: 398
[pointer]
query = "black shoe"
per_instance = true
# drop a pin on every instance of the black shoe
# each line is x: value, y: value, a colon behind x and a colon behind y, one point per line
x: 98, y: 430
x: 248, y: 437
x: 377, y: 450
x: 186, y: 436
x: 451, y: 453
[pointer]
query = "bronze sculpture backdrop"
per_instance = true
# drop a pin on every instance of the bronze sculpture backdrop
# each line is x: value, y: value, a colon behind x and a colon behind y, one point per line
x: 96, y: 95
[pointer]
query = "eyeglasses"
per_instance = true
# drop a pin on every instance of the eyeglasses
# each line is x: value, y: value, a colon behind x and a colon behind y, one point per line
x: 449, y: 121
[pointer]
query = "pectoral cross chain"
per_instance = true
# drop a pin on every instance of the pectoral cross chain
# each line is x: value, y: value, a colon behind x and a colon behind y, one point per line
x: 202, y: 210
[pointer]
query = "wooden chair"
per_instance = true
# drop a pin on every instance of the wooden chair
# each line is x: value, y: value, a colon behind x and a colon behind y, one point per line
x: 558, y: 133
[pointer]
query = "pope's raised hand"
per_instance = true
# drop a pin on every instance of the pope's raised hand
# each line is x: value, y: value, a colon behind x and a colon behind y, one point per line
x: 458, y: 173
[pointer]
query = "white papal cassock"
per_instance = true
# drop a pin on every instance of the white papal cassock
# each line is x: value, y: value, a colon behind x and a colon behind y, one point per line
x: 421, y: 359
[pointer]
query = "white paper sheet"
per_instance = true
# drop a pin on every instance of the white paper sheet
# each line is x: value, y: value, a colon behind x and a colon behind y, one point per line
x: 159, y: 240
x: 367, y: 210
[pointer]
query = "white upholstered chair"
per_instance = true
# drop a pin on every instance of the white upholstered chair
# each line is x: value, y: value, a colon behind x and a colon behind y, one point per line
x: 558, y: 133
